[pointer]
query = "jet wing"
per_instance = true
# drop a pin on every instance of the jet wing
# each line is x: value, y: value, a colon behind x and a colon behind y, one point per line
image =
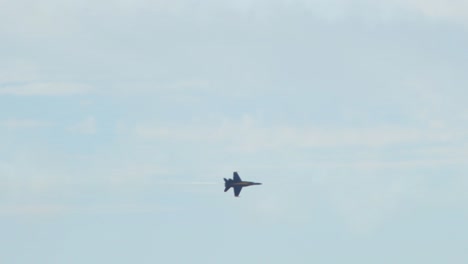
x: 237, y: 190
x: 236, y: 177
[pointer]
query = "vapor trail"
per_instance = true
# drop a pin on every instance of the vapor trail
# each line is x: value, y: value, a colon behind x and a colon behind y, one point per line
x: 187, y: 183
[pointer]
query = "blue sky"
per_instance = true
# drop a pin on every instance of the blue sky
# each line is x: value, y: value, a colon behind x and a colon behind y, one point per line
x: 119, y: 120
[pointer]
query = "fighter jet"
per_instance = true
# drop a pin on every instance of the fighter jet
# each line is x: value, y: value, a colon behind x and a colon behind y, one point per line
x: 237, y: 184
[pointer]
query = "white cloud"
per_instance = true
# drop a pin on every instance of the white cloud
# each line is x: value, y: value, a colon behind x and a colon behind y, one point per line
x: 52, y: 183
x: 45, y: 89
x: 86, y: 126
x: 23, y: 123
x: 250, y: 135
x: 19, y: 71
x: 38, y: 209
x: 450, y: 9
x: 40, y: 19
x: 31, y: 18
x: 53, y: 209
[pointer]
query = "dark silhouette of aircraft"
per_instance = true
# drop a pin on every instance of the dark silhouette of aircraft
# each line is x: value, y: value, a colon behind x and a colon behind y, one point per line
x: 237, y: 184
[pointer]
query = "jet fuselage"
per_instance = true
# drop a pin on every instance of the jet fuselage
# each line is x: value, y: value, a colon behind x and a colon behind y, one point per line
x: 244, y: 183
x: 237, y: 184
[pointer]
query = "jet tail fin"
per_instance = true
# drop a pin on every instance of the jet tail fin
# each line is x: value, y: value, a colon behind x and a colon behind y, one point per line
x: 227, y: 188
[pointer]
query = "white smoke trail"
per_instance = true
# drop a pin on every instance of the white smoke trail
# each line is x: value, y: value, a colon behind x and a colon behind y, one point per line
x: 188, y: 183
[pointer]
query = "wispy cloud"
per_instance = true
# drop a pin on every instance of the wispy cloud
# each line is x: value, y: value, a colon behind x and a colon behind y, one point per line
x: 18, y: 71
x: 451, y: 9
x: 46, y: 89
x: 87, y: 126
x: 47, y: 210
x: 49, y: 186
x: 250, y: 134
x: 38, y: 209
x: 40, y: 19
x: 23, y: 123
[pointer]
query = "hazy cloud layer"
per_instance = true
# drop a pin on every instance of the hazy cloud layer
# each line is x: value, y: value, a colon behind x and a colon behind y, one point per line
x: 119, y: 121
x: 14, y: 123
x: 88, y: 126
x: 45, y: 89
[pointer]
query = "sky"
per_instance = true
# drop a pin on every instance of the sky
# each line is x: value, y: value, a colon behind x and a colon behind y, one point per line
x: 119, y: 120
